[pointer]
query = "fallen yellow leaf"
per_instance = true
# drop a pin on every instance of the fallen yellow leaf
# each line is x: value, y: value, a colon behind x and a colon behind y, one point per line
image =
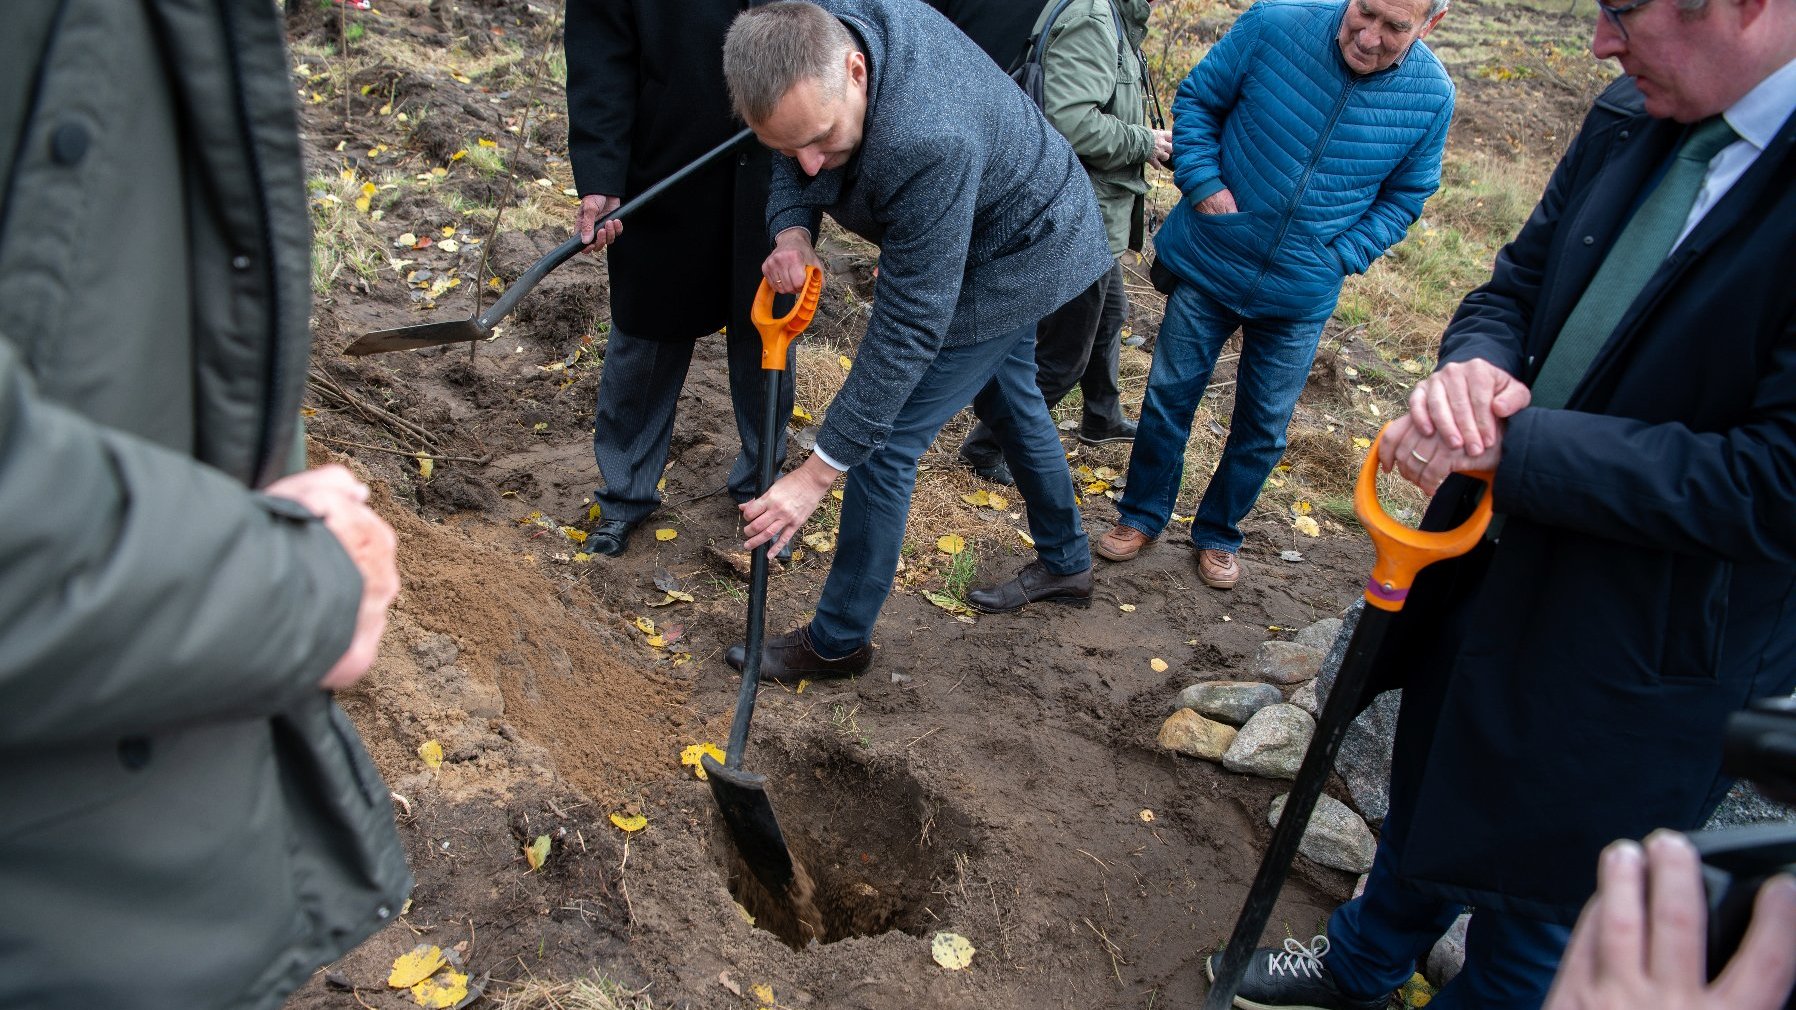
x: 801, y: 414
x: 664, y: 534
x: 820, y: 541
x: 537, y: 852
x: 1025, y: 538
x: 1306, y: 525
x: 951, y: 950
x: 977, y: 498
x: 592, y: 513
x: 1362, y: 443
x: 425, y: 465
x: 844, y: 361
x: 694, y: 756
x: 432, y: 753
x: 763, y: 992
x: 1301, y: 507
x: 416, y: 966
x: 836, y: 493
x: 629, y: 823
x: 802, y: 684
x: 997, y: 502
x: 950, y: 544
x: 574, y: 533
x: 1158, y: 664
x: 645, y: 625
x: 1097, y: 487
x: 657, y: 642
x: 1127, y: 608
x: 443, y: 991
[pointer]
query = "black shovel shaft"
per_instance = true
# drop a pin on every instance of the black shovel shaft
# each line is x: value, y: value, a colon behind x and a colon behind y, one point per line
x: 757, y: 580
x: 566, y: 250
x: 1337, y: 715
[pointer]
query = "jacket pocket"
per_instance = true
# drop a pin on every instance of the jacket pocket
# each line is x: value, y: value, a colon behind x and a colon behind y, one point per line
x: 1695, y: 618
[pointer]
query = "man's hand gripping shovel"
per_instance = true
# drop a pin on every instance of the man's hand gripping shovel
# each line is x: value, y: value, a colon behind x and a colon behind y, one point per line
x: 1402, y: 552
x: 741, y: 794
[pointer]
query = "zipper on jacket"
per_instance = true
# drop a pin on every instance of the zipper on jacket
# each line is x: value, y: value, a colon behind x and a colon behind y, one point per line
x: 1284, y: 224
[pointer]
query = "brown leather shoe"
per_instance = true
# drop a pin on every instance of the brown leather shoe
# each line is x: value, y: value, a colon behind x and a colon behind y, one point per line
x: 1122, y: 543
x: 1033, y: 584
x: 1218, y: 569
x: 789, y: 658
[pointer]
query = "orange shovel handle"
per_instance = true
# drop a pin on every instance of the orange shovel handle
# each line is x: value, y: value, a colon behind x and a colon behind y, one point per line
x: 778, y: 334
x: 1402, y: 552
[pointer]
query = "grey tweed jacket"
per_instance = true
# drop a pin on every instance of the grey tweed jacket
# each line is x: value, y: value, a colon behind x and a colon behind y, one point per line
x: 984, y: 218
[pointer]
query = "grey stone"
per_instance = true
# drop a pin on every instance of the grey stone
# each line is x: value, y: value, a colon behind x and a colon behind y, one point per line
x: 1364, y: 762
x: 1286, y: 662
x: 1331, y: 663
x: 1335, y: 835
x: 1305, y: 698
x: 1320, y: 635
x: 1448, y: 955
x: 1272, y: 743
x: 1231, y: 701
x: 1189, y: 733
x: 1745, y: 805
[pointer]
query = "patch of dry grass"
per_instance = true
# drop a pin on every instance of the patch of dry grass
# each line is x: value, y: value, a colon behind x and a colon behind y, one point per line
x: 597, y: 993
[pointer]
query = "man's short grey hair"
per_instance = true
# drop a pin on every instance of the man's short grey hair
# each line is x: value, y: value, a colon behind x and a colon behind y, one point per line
x: 772, y: 47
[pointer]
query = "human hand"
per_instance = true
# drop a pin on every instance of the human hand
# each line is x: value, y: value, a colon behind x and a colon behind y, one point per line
x: 1463, y: 402
x: 1220, y: 202
x: 593, y: 207
x: 1641, y: 940
x: 779, y: 514
x: 336, y: 497
x: 785, y: 267
x: 1427, y: 460
x: 1162, y: 155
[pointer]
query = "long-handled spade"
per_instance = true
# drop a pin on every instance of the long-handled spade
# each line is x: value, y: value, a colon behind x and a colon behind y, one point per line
x: 455, y: 331
x: 741, y: 794
x: 1402, y: 552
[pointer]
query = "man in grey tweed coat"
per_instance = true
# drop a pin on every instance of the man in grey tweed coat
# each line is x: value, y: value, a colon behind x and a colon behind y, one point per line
x: 884, y: 115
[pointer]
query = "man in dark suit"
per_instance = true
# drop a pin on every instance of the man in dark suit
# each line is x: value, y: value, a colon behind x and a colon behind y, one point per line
x: 645, y: 96
x: 1628, y: 375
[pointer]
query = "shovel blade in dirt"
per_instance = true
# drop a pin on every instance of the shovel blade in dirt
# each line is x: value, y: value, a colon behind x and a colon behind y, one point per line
x: 742, y: 799
x: 480, y: 327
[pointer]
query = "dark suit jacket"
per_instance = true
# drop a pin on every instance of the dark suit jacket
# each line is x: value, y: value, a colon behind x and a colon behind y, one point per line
x: 1568, y: 686
x: 1000, y: 27
x: 646, y: 95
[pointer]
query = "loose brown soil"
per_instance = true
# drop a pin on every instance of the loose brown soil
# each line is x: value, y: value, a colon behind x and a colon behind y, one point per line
x: 996, y: 779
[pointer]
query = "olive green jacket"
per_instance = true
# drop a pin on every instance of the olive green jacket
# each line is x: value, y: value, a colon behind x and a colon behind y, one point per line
x: 186, y: 821
x: 1092, y: 94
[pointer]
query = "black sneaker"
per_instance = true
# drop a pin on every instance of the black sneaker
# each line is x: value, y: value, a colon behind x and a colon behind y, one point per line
x: 1093, y: 434
x: 1292, y: 978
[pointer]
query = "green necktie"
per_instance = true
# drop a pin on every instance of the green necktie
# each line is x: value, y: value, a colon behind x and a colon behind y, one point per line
x: 1633, y: 260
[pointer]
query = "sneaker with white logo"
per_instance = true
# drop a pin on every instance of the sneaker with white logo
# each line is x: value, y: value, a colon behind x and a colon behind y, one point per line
x: 1292, y: 978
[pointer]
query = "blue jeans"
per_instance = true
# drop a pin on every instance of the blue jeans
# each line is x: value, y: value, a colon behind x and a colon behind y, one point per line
x: 1376, y: 940
x: 1275, y: 362
x: 634, y: 415
x: 876, y: 498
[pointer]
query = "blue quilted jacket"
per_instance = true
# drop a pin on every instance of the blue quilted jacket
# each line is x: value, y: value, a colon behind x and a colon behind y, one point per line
x: 1329, y: 167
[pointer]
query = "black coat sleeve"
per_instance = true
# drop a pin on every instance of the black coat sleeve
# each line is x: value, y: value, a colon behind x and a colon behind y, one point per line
x: 601, y: 46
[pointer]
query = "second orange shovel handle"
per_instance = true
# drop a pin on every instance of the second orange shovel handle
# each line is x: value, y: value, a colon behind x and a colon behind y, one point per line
x: 778, y: 334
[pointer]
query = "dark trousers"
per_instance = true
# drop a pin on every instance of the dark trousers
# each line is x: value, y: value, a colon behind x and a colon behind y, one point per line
x: 1376, y: 940
x: 633, y: 420
x: 1077, y: 344
x: 998, y: 377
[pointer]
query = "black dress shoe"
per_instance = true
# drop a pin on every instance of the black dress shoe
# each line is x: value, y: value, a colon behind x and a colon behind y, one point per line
x: 609, y: 537
x: 1033, y: 584
x: 996, y: 471
x: 790, y: 657
x: 1104, y: 434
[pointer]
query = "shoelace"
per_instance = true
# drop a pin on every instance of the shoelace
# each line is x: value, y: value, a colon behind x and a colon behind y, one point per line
x: 1296, y: 959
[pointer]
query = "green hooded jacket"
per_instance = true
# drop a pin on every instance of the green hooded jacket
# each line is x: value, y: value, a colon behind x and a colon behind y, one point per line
x: 186, y: 820
x: 1092, y: 93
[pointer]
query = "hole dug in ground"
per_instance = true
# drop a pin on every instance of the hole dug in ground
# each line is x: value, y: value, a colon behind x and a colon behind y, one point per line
x: 873, y: 849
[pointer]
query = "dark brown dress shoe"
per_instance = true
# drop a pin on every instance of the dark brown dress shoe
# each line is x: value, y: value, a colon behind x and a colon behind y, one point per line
x: 788, y: 658
x: 1033, y: 584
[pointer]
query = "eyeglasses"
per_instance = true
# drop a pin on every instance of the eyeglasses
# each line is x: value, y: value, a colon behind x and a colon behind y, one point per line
x: 1614, y: 11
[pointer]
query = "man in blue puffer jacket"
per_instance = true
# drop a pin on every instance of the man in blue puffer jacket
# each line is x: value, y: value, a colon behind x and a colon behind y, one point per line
x: 1304, y: 145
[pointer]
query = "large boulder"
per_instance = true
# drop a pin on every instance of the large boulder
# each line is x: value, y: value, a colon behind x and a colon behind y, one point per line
x: 1335, y: 836
x: 1232, y: 701
x: 1272, y: 743
x: 1320, y: 635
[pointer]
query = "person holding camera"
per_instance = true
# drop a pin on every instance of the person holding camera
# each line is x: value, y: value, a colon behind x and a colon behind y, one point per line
x: 1627, y: 381
x: 1640, y: 941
